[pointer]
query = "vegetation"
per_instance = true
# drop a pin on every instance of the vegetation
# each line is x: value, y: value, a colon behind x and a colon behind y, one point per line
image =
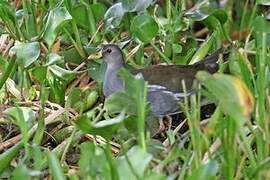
x: 54, y: 121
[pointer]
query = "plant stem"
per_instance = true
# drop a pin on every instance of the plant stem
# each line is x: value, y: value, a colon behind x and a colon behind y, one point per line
x: 82, y: 54
x: 168, y: 61
x: 141, y: 114
x: 114, y: 172
x: 78, y: 40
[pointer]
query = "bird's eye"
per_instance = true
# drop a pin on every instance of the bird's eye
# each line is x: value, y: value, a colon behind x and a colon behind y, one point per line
x: 109, y: 51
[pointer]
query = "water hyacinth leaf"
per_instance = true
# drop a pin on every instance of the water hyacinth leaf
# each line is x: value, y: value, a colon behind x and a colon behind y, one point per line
x: 200, y: 13
x: 26, y: 53
x: 207, y: 10
x: 79, y: 13
x: 56, y: 18
x: 113, y: 16
x: 135, y: 5
x: 104, y: 128
x: 98, y: 11
x: 139, y: 159
x: 63, y: 74
x: 72, y: 55
x: 22, y: 116
x: 232, y: 94
x: 205, y: 171
x: 53, y: 59
x: 144, y: 27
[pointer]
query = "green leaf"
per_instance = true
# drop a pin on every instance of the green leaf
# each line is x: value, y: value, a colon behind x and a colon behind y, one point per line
x: 72, y: 55
x: 21, y: 116
x: 113, y: 16
x: 97, y: 70
x: 119, y: 101
x: 3, y: 63
x: 139, y: 160
x: 21, y: 171
x: 232, y: 94
x: 27, y: 53
x: 79, y: 13
x: 177, y: 48
x: 53, y: 59
x: 205, y: 171
x: 98, y: 11
x: 93, y: 162
x: 135, y: 5
x: 81, y: 100
x: 105, y: 128
x: 200, y: 13
x: 261, y: 25
x: 206, y: 10
x: 56, y: 18
x: 144, y: 27
x: 40, y: 73
x: 8, y: 155
x: 203, y: 50
x: 63, y: 74
x: 264, y: 2
x: 55, y: 167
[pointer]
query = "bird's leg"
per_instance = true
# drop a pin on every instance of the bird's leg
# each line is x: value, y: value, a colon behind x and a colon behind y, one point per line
x: 161, y: 124
x: 169, y: 118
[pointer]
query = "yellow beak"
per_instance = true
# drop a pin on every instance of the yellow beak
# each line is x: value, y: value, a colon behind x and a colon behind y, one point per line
x: 96, y: 55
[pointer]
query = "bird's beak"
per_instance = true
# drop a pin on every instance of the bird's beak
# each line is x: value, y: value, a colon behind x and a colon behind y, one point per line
x: 96, y: 55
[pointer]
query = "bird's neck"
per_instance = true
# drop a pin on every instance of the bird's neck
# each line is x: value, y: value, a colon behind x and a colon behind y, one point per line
x: 112, y: 82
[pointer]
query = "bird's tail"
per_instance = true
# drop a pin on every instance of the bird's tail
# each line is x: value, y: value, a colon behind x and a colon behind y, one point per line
x: 211, y: 62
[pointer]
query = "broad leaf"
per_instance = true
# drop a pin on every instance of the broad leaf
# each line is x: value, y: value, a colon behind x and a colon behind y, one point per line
x: 21, y: 116
x: 113, y: 16
x: 53, y: 59
x: 135, y: 5
x: 144, y: 27
x: 205, y: 171
x: 63, y: 74
x: 56, y: 18
x: 105, y: 128
x: 232, y: 94
x: 27, y: 53
x: 139, y: 160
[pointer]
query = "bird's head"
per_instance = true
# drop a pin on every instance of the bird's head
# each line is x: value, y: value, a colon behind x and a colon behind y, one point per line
x: 110, y: 53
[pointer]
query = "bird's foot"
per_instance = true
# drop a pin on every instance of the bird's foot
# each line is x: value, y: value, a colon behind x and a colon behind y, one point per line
x: 169, y: 118
x: 162, y: 127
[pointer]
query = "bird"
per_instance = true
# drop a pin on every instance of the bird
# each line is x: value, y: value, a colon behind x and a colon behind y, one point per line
x: 164, y: 90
